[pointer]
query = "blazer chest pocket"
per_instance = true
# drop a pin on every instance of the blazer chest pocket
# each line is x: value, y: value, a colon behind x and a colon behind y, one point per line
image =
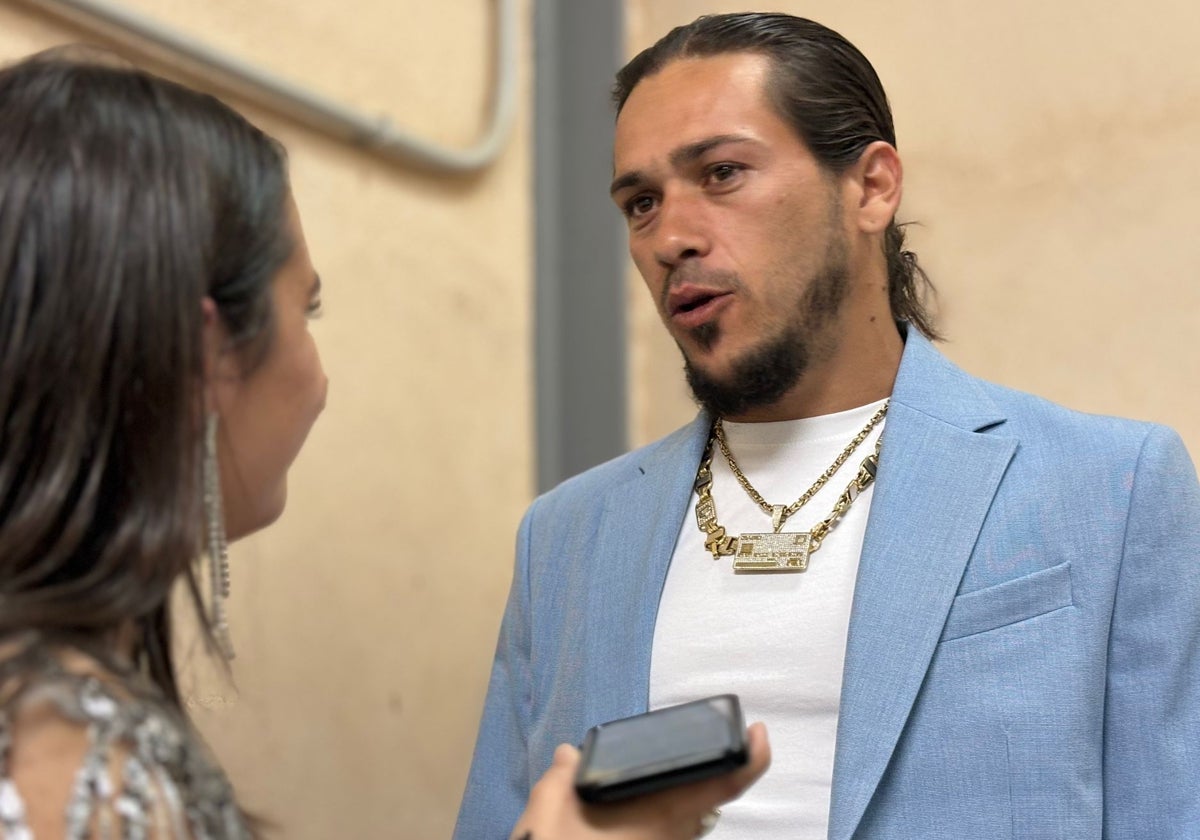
x: 1010, y: 602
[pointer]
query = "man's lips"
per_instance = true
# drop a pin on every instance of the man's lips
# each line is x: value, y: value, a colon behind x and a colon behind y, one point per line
x: 691, y: 306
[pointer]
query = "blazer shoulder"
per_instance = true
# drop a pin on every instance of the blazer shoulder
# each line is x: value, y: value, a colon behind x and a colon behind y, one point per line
x: 1032, y: 419
x: 932, y: 384
x: 1082, y: 449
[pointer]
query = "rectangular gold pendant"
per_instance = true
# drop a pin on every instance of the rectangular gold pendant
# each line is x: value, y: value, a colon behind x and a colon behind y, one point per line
x: 772, y: 552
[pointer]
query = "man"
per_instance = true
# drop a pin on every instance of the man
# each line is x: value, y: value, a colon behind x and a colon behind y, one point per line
x: 986, y: 626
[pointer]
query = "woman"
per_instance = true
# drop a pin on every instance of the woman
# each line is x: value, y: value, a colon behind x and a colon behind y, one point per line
x: 157, y: 379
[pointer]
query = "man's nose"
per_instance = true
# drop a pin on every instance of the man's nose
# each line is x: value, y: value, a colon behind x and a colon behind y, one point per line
x: 680, y: 232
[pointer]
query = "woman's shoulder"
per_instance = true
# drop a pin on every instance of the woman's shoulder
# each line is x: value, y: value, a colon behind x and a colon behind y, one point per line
x: 88, y: 749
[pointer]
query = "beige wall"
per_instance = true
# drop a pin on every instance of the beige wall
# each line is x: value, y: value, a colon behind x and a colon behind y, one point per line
x: 1048, y: 150
x: 366, y: 618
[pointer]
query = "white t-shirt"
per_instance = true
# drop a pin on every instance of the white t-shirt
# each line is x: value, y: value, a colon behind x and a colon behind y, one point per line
x: 777, y: 640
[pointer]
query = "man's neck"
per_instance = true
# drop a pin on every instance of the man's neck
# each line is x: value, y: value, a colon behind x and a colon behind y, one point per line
x: 860, y: 370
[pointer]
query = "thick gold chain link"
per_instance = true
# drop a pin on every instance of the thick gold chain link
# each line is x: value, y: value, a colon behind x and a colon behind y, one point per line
x: 716, y: 540
x: 860, y: 482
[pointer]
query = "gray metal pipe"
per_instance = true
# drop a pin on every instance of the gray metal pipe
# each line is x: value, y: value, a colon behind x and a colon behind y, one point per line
x: 263, y: 88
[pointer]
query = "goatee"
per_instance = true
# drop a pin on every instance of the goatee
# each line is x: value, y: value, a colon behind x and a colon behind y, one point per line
x: 769, y: 370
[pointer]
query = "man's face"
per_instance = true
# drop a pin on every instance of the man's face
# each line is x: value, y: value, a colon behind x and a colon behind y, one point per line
x: 738, y: 232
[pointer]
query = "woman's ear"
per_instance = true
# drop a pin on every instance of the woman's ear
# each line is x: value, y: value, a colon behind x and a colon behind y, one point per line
x: 220, y: 365
x: 879, y: 176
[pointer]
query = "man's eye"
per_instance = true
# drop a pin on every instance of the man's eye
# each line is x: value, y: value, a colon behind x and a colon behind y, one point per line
x: 723, y: 171
x: 639, y: 206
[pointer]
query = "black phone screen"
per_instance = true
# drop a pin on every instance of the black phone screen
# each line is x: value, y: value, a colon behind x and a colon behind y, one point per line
x: 663, y: 747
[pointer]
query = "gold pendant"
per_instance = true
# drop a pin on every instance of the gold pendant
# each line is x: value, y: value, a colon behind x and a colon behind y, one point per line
x: 772, y: 552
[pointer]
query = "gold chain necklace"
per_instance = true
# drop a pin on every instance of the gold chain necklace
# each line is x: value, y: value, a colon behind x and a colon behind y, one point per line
x: 776, y: 552
x: 779, y: 513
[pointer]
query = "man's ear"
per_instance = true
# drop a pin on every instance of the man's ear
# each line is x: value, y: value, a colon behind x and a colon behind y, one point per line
x: 220, y: 365
x: 879, y: 178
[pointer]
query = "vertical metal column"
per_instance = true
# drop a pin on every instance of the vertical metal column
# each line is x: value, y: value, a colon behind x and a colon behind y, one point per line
x: 580, y: 298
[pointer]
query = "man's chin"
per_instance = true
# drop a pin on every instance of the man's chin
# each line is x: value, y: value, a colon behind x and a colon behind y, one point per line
x: 708, y: 350
x: 702, y: 339
x: 714, y: 386
x: 709, y: 368
x: 728, y: 382
x: 713, y: 365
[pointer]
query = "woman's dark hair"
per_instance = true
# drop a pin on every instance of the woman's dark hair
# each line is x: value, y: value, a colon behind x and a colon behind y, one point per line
x: 125, y: 200
x: 825, y: 89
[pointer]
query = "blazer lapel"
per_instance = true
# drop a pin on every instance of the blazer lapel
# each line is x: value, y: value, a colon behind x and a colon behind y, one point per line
x: 637, y: 533
x: 937, y: 477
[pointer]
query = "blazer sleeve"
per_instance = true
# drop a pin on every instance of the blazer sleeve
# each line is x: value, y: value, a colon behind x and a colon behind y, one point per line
x: 1152, y: 705
x: 499, y: 781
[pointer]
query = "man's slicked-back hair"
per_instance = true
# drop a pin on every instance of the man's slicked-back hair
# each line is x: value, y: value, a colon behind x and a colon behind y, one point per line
x: 825, y: 89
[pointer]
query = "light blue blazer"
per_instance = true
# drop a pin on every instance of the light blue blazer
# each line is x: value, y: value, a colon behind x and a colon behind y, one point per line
x: 1023, y: 658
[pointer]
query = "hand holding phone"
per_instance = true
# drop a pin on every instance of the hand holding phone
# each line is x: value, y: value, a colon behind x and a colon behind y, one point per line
x: 662, y: 748
x: 554, y: 809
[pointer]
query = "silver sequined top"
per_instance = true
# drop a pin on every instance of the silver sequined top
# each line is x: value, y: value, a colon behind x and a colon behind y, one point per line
x: 145, y: 774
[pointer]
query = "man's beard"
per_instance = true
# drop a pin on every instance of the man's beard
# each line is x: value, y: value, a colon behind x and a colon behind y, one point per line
x: 769, y: 370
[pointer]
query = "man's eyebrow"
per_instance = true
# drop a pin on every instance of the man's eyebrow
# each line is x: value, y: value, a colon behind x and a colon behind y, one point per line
x: 679, y: 157
x: 629, y: 179
x: 693, y: 151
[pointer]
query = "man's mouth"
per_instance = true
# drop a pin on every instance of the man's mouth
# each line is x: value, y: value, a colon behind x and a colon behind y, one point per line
x: 690, y: 307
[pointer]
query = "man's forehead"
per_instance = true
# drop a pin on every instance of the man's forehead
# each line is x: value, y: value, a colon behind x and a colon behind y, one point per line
x: 698, y: 83
x: 689, y: 102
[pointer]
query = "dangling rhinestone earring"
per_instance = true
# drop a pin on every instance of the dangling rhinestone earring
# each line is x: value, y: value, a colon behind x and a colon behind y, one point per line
x: 218, y: 556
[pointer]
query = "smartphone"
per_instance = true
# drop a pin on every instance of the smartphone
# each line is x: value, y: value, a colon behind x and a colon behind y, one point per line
x: 656, y: 750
